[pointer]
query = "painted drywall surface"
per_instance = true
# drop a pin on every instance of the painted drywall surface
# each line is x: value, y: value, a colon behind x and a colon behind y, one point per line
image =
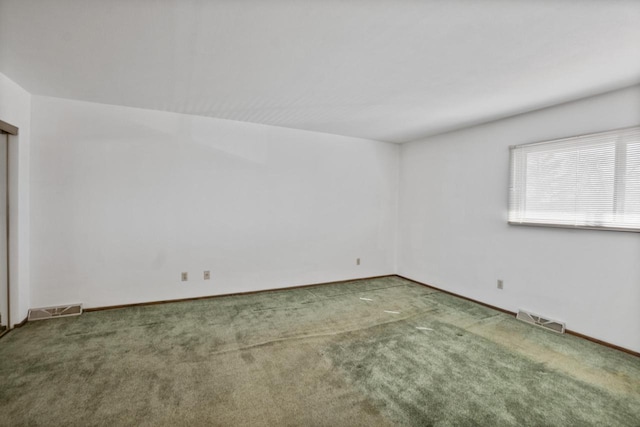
x: 15, y: 108
x: 453, y: 228
x: 125, y: 199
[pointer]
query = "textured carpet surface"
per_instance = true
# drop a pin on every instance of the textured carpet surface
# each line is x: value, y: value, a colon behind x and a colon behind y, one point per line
x: 318, y: 356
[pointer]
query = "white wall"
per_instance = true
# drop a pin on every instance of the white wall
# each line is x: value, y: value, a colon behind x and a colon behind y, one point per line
x: 124, y: 199
x: 15, y: 108
x: 454, y: 235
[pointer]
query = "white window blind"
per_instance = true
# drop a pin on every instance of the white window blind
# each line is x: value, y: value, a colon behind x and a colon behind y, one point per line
x: 588, y: 181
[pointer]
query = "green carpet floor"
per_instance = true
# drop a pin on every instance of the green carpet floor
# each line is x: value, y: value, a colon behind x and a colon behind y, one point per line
x: 318, y: 356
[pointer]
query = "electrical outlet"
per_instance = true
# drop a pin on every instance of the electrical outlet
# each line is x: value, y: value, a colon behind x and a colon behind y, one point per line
x: 207, y: 275
x: 357, y: 261
x: 500, y: 284
x: 185, y: 276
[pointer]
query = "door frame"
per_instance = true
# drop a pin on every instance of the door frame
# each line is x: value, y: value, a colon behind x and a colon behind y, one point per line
x: 7, y: 129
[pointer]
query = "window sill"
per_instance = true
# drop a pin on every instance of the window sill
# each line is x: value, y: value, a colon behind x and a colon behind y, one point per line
x: 576, y: 227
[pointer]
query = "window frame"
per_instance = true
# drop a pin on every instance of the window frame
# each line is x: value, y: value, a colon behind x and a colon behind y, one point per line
x: 618, y: 190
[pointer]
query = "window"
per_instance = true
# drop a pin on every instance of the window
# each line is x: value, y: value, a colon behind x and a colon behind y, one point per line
x: 589, y: 181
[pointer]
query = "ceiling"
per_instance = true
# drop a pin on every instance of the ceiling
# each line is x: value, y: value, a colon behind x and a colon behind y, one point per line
x: 386, y: 70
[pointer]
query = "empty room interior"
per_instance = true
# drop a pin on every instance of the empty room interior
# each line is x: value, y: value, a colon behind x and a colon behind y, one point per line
x: 320, y: 213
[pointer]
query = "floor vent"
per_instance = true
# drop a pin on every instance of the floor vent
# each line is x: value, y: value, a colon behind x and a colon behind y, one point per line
x: 51, y: 312
x: 534, y: 319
